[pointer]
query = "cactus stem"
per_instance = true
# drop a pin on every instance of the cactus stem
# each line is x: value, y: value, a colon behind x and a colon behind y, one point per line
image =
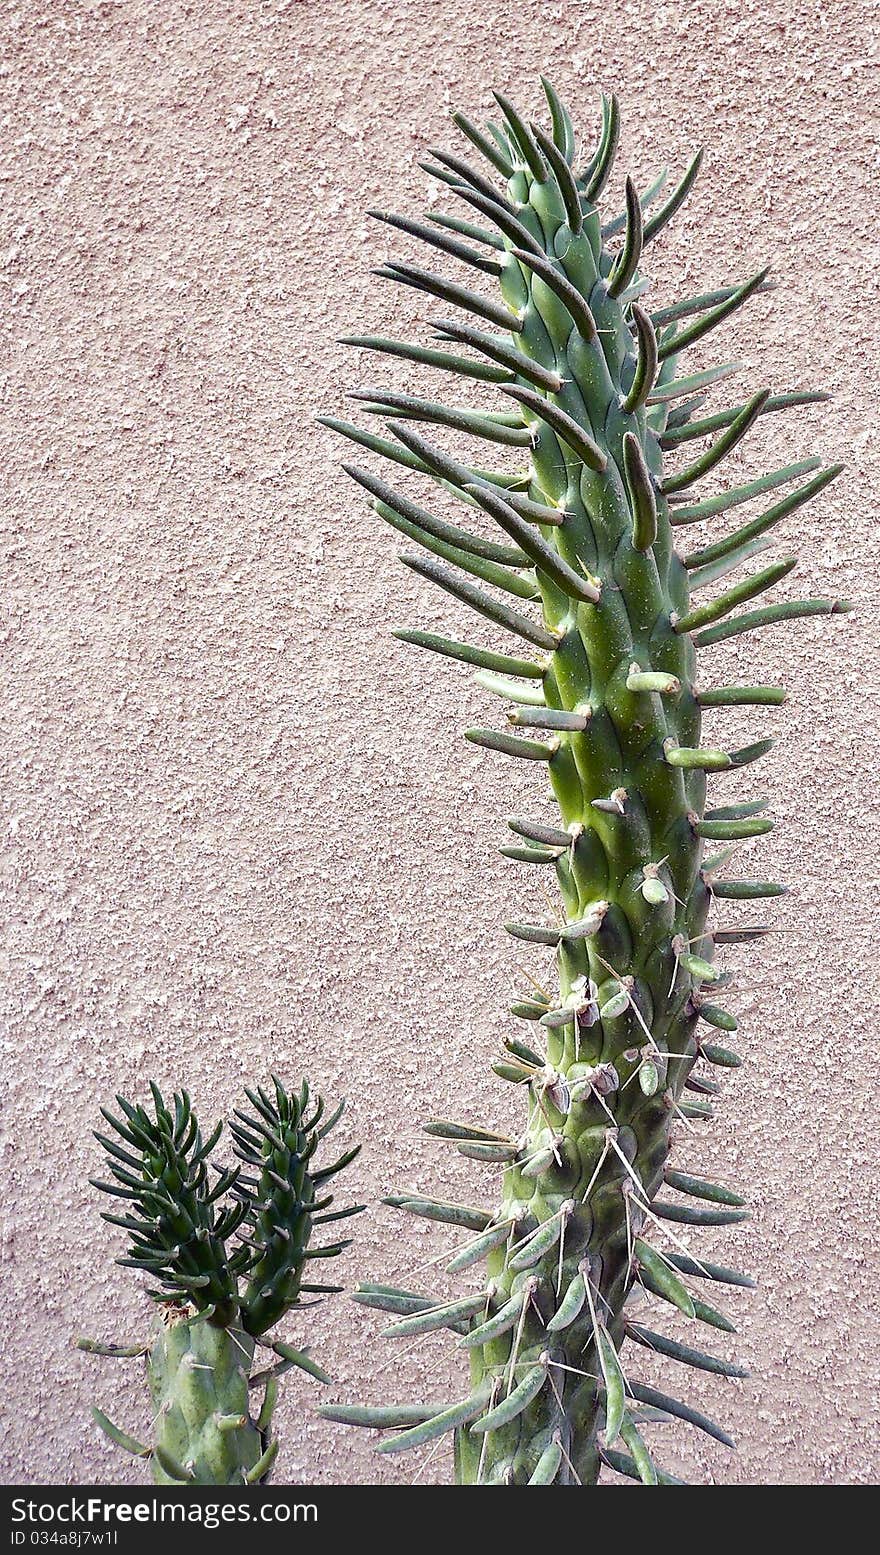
x: 600, y: 400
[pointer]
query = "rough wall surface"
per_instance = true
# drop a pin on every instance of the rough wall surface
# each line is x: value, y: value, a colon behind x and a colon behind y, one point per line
x: 240, y: 827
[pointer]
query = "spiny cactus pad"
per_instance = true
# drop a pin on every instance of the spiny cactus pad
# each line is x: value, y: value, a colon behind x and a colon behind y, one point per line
x: 227, y: 1255
x: 570, y: 544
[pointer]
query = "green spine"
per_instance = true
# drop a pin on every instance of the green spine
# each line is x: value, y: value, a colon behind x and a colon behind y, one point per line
x: 228, y: 1255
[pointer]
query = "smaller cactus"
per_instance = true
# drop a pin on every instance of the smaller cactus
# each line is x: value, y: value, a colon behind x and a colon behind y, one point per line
x: 604, y: 692
x: 226, y: 1255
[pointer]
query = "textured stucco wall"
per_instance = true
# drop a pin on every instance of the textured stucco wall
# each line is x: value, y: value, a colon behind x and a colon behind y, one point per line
x: 239, y: 825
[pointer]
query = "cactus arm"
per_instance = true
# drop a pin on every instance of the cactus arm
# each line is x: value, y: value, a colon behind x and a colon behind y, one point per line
x: 600, y: 395
x: 228, y: 1254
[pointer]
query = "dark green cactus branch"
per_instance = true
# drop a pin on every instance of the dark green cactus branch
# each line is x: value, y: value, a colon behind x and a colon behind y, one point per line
x: 227, y: 1250
x: 278, y: 1141
x: 178, y: 1230
x: 586, y: 397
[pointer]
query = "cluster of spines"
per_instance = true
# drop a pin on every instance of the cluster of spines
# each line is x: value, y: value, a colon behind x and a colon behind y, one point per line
x: 538, y: 560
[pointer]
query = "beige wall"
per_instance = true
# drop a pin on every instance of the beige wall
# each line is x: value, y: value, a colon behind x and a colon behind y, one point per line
x: 241, y: 827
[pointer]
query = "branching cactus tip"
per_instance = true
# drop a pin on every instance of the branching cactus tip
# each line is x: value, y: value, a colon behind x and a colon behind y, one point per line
x: 227, y: 1251
x: 571, y: 542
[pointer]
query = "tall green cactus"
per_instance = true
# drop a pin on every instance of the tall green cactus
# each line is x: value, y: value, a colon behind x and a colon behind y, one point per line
x: 227, y: 1257
x: 591, y: 578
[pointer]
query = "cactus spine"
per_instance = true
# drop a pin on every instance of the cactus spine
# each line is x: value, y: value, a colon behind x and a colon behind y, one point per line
x: 227, y: 1256
x: 605, y: 615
